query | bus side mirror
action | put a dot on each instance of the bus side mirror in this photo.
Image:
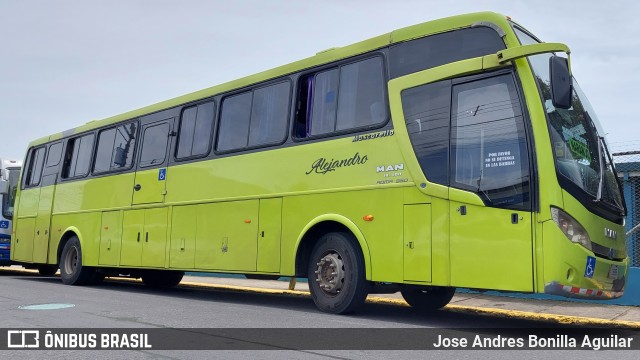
(561, 82)
(4, 187)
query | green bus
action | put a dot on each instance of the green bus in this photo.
(459, 152)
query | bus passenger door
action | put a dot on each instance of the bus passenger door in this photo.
(150, 185)
(490, 195)
(43, 223)
(27, 207)
(47, 195)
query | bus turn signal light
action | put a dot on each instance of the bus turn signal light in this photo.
(367, 218)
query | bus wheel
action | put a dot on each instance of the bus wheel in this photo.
(47, 270)
(336, 274)
(162, 278)
(427, 298)
(72, 272)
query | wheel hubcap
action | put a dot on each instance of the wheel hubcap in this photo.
(330, 273)
(71, 261)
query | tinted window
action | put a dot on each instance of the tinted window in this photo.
(78, 156)
(361, 95)
(351, 96)
(115, 148)
(234, 122)
(488, 143)
(426, 111)
(254, 118)
(196, 125)
(440, 49)
(55, 153)
(269, 114)
(325, 102)
(34, 171)
(154, 145)
(124, 146)
(104, 151)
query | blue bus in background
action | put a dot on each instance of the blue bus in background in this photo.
(9, 173)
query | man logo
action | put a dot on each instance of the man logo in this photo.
(612, 234)
(21, 339)
(396, 167)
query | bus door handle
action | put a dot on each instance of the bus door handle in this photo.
(138, 236)
(515, 217)
(137, 187)
(146, 237)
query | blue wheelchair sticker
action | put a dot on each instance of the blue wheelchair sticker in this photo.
(590, 268)
(162, 174)
(4, 224)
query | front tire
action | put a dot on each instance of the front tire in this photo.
(72, 272)
(336, 274)
(428, 298)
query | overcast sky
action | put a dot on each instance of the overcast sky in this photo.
(63, 63)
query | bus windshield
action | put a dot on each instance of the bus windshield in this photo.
(579, 148)
(8, 201)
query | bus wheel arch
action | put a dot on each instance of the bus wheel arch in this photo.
(320, 226)
(68, 234)
(72, 271)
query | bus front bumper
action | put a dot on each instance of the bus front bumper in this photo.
(555, 288)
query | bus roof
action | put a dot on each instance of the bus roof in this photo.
(322, 57)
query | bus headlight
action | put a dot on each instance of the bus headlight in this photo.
(571, 228)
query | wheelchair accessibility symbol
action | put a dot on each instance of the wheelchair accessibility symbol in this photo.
(590, 268)
(162, 174)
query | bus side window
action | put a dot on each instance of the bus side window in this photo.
(55, 152)
(34, 168)
(489, 153)
(194, 135)
(428, 52)
(154, 145)
(427, 111)
(254, 118)
(269, 114)
(115, 148)
(348, 97)
(77, 158)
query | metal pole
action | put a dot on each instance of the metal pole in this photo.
(634, 229)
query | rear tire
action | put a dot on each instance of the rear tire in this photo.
(162, 278)
(47, 270)
(336, 274)
(72, 272)
(428, 298)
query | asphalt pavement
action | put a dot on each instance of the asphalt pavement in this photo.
(552, 311)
